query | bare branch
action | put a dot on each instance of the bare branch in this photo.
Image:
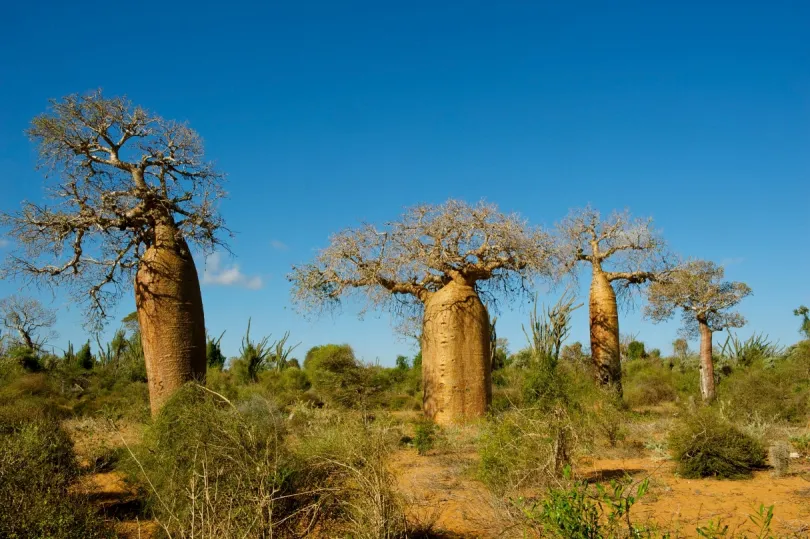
(698, 290)
(430, 246)
(118, 172)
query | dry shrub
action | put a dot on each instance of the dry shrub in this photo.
(211, 468)
(707, 445)
(524, 448)
(648, 382)
(37, 465)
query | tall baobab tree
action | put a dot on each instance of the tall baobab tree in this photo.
(437, 260)
(697, 288)
(623, 253)
(29, 319)
(130, 191)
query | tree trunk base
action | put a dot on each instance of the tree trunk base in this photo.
(456, 355)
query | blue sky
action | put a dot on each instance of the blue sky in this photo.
(324, 114)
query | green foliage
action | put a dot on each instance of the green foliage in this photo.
(635, 350)
(648, 382)
(580, 512)
(26, 357)
(84, 357)
(37, 465)
(706, 445)
(213, 352)
(804, 313)
(424, 436)
(254, 357)
(777, 392)
(756, 349)
(715, 529)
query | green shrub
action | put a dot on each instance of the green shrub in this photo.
(647, 383)
(779, 393)
(580, 512)
(37, 465)
(424, 437)
(84, 357)
(635, 350)
(706, 445)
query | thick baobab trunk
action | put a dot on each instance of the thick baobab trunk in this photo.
(456, 355)
(604, 318)
(170, 313)
(706, 363)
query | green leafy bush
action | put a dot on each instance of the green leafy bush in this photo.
(706, 445)
(424, 437)
(581, 512)
(635, 350)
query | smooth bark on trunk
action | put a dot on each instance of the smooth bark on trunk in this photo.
(604, 320)
(706, 363)
(456, 355)
(170, 313)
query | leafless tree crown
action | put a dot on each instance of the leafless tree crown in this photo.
(118, 172)
(626, 249)
(430, 246)
(29, 319)
(697, 288)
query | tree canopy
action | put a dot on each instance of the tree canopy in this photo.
(626, 249)
(429, 247)
(697, 288)
(118, 172)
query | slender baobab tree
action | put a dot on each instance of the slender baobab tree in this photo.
(130, 191)
(437, 260)
(29, 319)
(697, 288)
(623, 253)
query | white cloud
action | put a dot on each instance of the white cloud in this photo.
(217, 273)
(278, 245)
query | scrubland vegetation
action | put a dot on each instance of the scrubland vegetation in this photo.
(289, 448)
(282, 442)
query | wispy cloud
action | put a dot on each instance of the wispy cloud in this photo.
(218, 273)
(278, 245)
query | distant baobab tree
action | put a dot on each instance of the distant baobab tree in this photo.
(698, 290)
(623, 253)
(439, 261)
(29, 319)
(130, 192)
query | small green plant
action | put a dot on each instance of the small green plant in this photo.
(715, 529)
(706, 445)
(580, 512)
(801, 444)
(424, 437)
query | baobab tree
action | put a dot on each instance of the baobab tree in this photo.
(697, 288)
(438, 261)
(623, 254)
(29, 319)
(130, 191)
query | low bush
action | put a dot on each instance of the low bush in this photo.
(648, 382)
(580, 511)
(525, 448)
(247, 470)
(706, 445)
(37, 465)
